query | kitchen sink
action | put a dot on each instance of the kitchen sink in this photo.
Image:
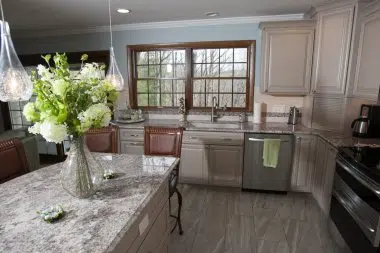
(215, 125)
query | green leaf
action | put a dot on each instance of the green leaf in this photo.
(46, 58)
(84, 57)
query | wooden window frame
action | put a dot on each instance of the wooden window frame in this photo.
(188, 47)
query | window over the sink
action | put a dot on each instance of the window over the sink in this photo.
(161, 74)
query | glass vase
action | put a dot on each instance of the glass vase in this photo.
(81, 174)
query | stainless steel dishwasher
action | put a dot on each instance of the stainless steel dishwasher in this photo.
(258, 177)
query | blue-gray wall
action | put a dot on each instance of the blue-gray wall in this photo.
(100, 41)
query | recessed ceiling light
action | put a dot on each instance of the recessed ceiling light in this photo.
(212, 14)
(124, 11)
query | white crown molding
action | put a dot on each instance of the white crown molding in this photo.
(31, 33)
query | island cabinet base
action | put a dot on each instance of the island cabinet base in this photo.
(149, 233)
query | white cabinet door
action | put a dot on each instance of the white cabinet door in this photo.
(331, 51)
(132, 148)
(328, 178)
(367, 78)
(319, 167)
(287, 52)
(194, 167)
(225, 165)
(303, 163)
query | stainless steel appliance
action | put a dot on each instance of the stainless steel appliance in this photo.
(258, 177)
(360, 127)
(293, 115)
(372, 113)
(355, 201)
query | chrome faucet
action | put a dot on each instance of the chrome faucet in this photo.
(214, 108)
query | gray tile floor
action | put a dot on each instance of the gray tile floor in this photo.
(217, 220)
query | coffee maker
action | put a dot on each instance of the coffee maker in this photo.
(368, 123)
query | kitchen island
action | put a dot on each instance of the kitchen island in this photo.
(128, 214)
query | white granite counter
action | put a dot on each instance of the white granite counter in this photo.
(90, 225)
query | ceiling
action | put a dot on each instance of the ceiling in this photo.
(63, 14)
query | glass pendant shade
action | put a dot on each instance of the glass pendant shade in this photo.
(15, 84)
(113, 74)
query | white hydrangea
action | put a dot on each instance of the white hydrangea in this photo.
(59, 87)
(90, 71)
(44, 73)
(53, 132)
(29, 111)
(35, 129)
(98, 115)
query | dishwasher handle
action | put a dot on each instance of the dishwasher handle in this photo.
(262, 140)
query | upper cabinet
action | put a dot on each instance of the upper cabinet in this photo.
(287, 52)
(367, 78)
(332, 49)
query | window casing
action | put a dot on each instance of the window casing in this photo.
(161, 74)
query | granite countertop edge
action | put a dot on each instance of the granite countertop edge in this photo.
(336, 139)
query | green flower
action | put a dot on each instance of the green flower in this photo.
(59, 87)
(30, 112)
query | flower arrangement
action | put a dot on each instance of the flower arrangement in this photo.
(67, 103)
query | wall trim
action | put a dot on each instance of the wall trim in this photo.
(155, 25)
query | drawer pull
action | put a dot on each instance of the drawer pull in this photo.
(134, 135)
(227, 139)
(133, 144)
(193, 138)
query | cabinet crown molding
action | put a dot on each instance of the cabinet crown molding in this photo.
(333, 5)
(288, 24)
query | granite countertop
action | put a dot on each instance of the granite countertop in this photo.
(90, 225)
(335, 139)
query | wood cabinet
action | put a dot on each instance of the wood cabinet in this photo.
(367, 78)
(286, 57)
(303, 163)
(225, 165)
(194, 166)
(332, 49)
(323, 175)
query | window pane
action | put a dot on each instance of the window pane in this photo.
(177, 97)
(142, 99)
(142, 58)
(239, 85)
(167, 71)
(166, 57)
(166, 86)
(166, 100)
(154, 99)
(226, 85)
(212, 85)
(142, 86)
(206, 55)
(226, 70)
(240, 55)
(240, 70)
(154, 57)
(226, 55)
(179, 86)
(154, 71)
(206, 70)
(180, 71)
(209, 99)
(154, 86)
(199, 100)
(239, 100)
(142, 71)
(179, 56)
(225, 100)
(199, 85)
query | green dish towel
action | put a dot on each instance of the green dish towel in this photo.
(271, 152)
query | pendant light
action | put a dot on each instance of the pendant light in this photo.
(113, 74)
(15, 84)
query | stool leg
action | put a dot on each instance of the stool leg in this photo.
(179, 211)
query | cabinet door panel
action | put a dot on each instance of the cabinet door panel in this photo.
(328, 177)
(193, 168)
(367, 79)
(288, 57)
(303, 163)
(225, 165)
(334, 28)
(319, 165)
(132, 148)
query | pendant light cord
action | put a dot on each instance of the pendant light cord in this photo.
(109, 15)
(2, 12)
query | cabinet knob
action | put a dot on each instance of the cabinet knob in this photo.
(314, 91)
